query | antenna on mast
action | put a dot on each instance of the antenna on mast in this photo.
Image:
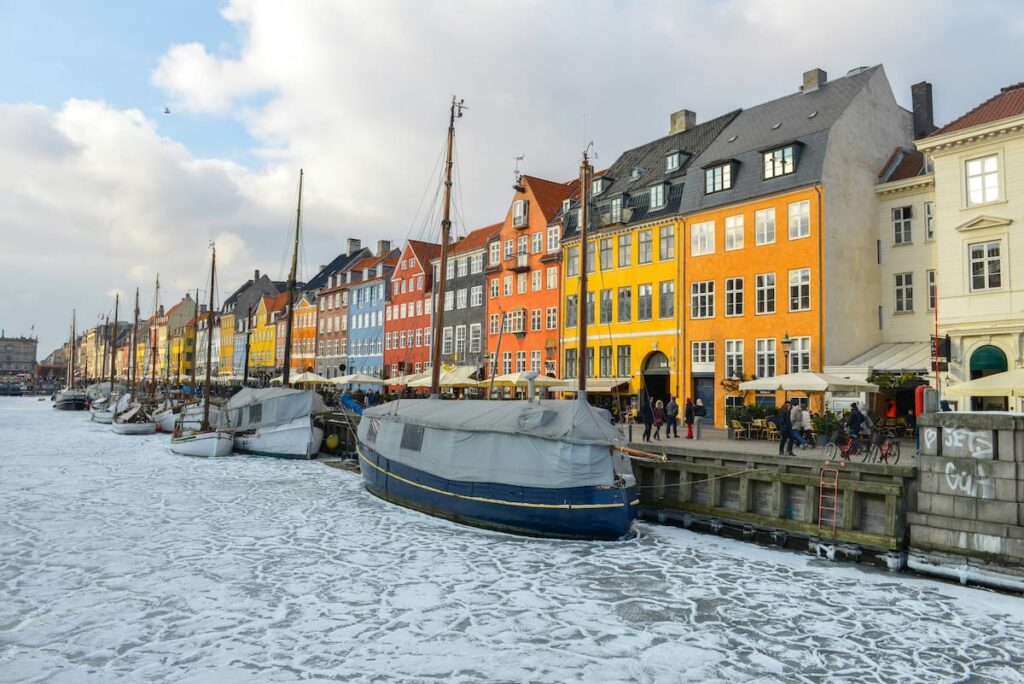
(518, 185)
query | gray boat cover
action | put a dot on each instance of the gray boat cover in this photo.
(253, 408)
(552, 444)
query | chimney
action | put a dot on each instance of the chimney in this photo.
(383, 247)
(680, 121)
(353, 246)
(921, 95)
(814, 79)
(256, 276)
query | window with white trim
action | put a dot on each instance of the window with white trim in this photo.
(519, 213)
(534, 320)
(734, 359)
(515, 321)
(536, 284)
(535, 360)
(625, 304)
(591, 256)
(616, 210)
(462, 267)
(474, 338)
(447, 335)
(536, 242)
(799, 219)
(982, 179)
(929, 221)
(552, 238)
(666, 299)
(460, 339)
(572, 261)
(764, 357)
(495, 288)
(523, 244)
(476, 265)
(672, 162)
(495, 324)
(551, 318)
(986, 266)
(666, 243)
(522, 284)
(449, 269)
(717, 178)
(520, 361)
(506, 362)
(734, 296)
(644, 302)
(800, 289)
(606, 306)
(657, 196)
(702, 238)
(779, 162)
(625, 250)
(476, 295)
(904, 292)
(449, 300)
(765, 293)
(702, 351)
(932, 290)
(733, 232)
(552, 276)
(507, 290)
(494, 250)
(461, 298)
(510, 248)
(606, 254)
(702, 299)
(901, 234)
(799, 354)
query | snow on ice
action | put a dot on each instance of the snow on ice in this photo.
(122, 561)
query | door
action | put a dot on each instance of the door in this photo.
(704, 389)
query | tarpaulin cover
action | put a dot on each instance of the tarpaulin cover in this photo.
(553, 444)
(253, 408)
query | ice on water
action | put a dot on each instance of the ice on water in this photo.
(121, 561)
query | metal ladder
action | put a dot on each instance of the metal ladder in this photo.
(828, 495)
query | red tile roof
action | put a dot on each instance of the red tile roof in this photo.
(1009, 102)
(549, 194)
(424, 251)
(902, 164)
(476, 239)
(276, 302)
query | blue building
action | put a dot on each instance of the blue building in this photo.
(366, 314)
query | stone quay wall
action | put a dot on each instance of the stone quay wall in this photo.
(968, 517)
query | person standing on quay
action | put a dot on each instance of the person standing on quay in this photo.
(698, 417)
(782, 421)
(647, 418)
(672, 413)
(659, 419)
(688, 415)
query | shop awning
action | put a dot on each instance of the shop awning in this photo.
(891, 357)
(596, 385)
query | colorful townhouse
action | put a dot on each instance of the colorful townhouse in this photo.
(204, 324)
(408, 312)
(632, 261)
(523, 280)
(332, 300)
(779, 269)
(236, 320)
(263, 336)
(304, 334)
(367, 299)
(465, 314)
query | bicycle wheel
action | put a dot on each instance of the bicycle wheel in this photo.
(872, 455)
(865, 453)
(830, 452)
(894, 453)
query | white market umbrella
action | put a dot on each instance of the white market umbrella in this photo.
(307, 377)
(807, 381)
(459, 376)
(1006, 384)
(356, 378)
(519, 380)
(402, 380)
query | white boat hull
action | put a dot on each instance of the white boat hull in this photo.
(297, 439)
(148, 428)
(105, 416)
(167, 419)
(206, 444)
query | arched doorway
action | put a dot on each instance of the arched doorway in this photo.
(988, 360)
(657, 378)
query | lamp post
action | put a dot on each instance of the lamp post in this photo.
(786, 344)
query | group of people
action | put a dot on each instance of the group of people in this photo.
(794, 424)
(655, 413)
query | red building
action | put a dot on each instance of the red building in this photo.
(524, 279)
(407, 314)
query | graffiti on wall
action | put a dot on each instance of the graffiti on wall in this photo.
(965, 443)
(976, 483)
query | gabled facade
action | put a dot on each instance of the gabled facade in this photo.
(466, 284)
(779, 265)
(408, 312)
(632, 260)
(367, 299)
(236, 321)
(523, 281)
(263, 336)
(304, 334)
(332, 310)
(978, 162)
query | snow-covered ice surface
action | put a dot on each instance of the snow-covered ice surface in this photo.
(121, 561)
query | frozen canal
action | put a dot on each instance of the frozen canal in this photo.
(121, 561)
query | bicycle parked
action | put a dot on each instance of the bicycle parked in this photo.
(843, 446)
(885, 451)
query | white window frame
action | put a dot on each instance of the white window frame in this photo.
(779, 162)
(733, 232)
(932, 284)
(733, 359)
(657, 196)
(903, 292)
(476, 295)
(929, 221)
(799, 354)
(702, 299)
(984, 185)
(552, 277)
(765, 357)
(718, 178)
(765, 294)
(702, 238)
(519, 214)
(734, 291)
(494, 252)
(475, 336)
(800, 279)
(902, 226)
(702, 351)
(799, 219)
(552, 238)
(986, 262)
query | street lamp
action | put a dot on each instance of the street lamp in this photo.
(786, 344)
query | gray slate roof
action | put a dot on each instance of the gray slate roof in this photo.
(339, 263)
(805, 117)
(649, 159)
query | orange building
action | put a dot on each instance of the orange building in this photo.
(523, 280)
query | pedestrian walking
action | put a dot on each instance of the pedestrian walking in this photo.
(699, 412)
(672, 416)
(647, 418)
(659, 419)
(782, 422)
(796, 423)
(688, 416)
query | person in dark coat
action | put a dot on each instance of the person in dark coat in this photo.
(854, 421)
(659, 418)
(783, 422)
(647, 418)
(672, 416)
(688, 414)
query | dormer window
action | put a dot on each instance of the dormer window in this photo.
(519, 213)
(717, 178)
(658, 196)
(636, 172)
(597, 186)
(672, 162)
(565, 206)
(779, 162)
(616, 211)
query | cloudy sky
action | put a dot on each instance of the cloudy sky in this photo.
(100, 189)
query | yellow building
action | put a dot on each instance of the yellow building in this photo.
(227, 343)
(263, 341)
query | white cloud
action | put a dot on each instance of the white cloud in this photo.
(357, 92)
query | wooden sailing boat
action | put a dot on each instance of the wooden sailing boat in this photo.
(131, 416)
(535, 468)
(71, 399)
(104, 413)
(277, 421)
(205, 441)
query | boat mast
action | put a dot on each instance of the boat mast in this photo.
(291, 291)
(113, 341)
(248, 332)
(72, 354)
(133, 372)
(101, 365)
(581, 354)
(195, 340)
(446, 229)
(152, 338)
(209, 340)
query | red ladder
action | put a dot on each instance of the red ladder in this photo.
(828, 496)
